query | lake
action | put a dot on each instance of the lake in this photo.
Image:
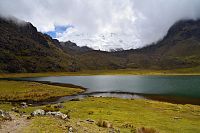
(185, 86)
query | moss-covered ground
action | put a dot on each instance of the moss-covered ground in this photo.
(22, 90)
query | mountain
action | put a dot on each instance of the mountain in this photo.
(180, 48)
(72, 48)
(105, 41)
(24, 49)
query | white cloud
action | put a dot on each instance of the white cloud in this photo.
(134, 23)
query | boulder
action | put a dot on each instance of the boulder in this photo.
(23, 105)
(38, 112)
(58, 114)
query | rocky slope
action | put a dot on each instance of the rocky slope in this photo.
(179, 48)
(24, 49)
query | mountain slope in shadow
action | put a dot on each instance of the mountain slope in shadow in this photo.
(24, 49)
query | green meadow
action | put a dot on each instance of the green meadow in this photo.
(23, 90)
(125, 115)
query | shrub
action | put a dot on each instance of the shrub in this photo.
(105, 124)
(50, 109)
(90, 112)
(146, 130)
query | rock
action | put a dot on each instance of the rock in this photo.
(38, 112)
(78, 123)
(28, 117)
(23, 105)
(177, 118)
(29, 104)
(107, 124)
(50, 113)
(103, 123)
(128, 125)
(70, 130)
(64, 117)
(59, 106)
(112, 130)
(90, 121)
(58, 114)
(15, 109)
(5, 115)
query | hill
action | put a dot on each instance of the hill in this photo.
(180, 48)
(24, 49)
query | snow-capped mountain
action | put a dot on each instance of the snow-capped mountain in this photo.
(104, 42)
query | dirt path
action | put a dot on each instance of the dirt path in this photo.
(14, 126)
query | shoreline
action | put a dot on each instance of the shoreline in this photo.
(145, 72)
(48, 100)
(85, 94)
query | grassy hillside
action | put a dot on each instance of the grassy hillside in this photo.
(180, 48)
(24, 49)
(125, 115)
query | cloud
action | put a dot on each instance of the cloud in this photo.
(103, 24)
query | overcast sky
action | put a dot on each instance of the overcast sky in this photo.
(103, 24)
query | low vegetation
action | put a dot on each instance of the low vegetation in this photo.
(124, 115)
(21, 90)
(183, 71)
(99, 114)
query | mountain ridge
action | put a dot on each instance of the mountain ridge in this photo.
(24, 49)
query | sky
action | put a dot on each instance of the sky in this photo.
(103, 24)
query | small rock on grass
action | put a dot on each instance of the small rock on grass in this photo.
(23, 105)
(90, 121)
(38, 112)
(70, 130)
(15, 109)
(59, 105)
(177, 118)
(5, 115)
